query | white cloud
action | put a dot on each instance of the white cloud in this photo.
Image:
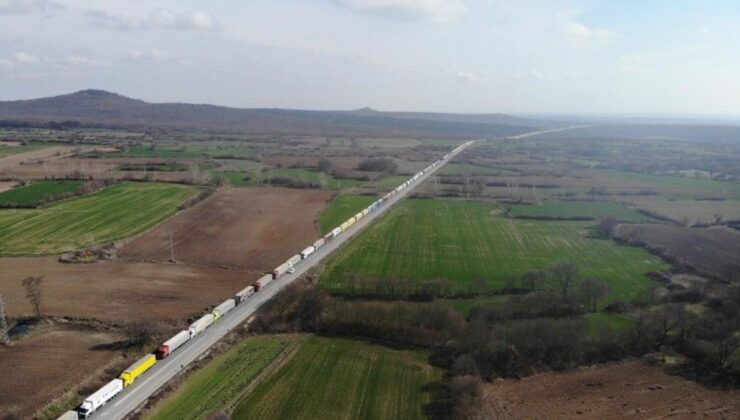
(76, 60)
(24, 58)
(20, 7)
(435, 10)
(161, 18)
(582, 35)
(467, 77)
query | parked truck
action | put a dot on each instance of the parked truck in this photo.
(319, 243)
(200, 325)
(280, 270)
(264, 280)
(223, 308)
(173, 344)
(243, 294)
(137, 369)
(295, 259)
(307, 251)
(100, 397)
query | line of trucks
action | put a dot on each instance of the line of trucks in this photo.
(137, 369)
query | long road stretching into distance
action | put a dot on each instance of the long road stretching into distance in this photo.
(139, 392)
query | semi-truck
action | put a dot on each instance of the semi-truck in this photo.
(173, 344)
(201, 324)
(100, 397)
(137, 369)
(223, 308)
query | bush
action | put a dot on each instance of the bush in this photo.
(378, 165)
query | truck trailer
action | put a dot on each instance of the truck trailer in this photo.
(319, 243)
(243, 294)
(280, 270)
(307, 251)
(173, 344)
(200, 325)
(100, 397)
(137, 369)
(264, 280)
(295, 259)
(223, 308)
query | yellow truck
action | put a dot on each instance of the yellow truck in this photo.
(137, 369)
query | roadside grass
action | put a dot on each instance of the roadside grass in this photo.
(592, 209)
(341, 208)
(37, 191)
(470, 169)
(333, 378)
(462, 241)
(110, 214)
(221, 381)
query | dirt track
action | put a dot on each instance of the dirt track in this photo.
(43, 366)
(621, 390)
(229, 230)
(118, 291)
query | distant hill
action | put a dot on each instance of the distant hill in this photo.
(99, 108)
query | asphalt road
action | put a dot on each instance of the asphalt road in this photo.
(164, 370)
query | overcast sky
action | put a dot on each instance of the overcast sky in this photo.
(515, 56)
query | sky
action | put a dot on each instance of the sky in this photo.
(472, 56)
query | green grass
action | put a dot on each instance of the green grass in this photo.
(187, 152)
(592, 209)
(616, 322)
(342, 208)
(331, 378)
(113, 213)
(388, 183)
(14, 150)
(222, 380)
(724, 187)
(37, 191)
(470, 169)
(463, 240)
(236, 178)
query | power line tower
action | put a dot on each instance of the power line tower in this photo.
(3, 324)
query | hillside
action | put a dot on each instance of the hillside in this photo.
(101, 108)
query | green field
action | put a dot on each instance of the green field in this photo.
(221, 382)
(186, 152)
(342, 208)
(110, 214)
(464, 240)
(14, 150)
(592, 209)
(725, 187)
(389, 182)
(470, 169)
(331, 378)
(37, 191)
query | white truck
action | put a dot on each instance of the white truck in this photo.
(200, 325)
(223, 308)
(173, 344)
(308, 251)
(100, 397)
(243, 294)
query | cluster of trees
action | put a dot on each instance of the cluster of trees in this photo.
(388, 166)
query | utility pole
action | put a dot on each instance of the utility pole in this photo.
(172, 248)
(3, 324)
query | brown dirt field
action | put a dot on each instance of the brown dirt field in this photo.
(228, 229)
(15, 160)
(118, 291)
(712, 251)
(5, 186)
(622, 390)
(46, 364)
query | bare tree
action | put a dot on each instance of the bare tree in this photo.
(533, 280)
(592, 291)
(607, 225)
(564, 274)
(33, 292)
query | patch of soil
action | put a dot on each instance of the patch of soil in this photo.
(118, 291)
(45, 364)
(5, 186)
(621, 390)
(246, 228)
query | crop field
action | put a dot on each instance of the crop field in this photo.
(388, 183)
(243, 179)
(470, 169)
(37, 191)
(730, 189)
(188, 152)
(342, 208)
(14, 150)
(224, 379)
(333, 378)
(590, 209)
(111, 214)
(461, 241)
(704, 211)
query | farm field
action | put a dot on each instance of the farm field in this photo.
(111, 214)
(43, 365)
(462, 241)
(341, 208)
(702, 211)
(620, 390)
(118, 291)
(581, 209)
(334, 378)
(723, 188)
(220, 383)
(470, 169)
(246, 228)
(14, 150)
(320, 179)
(388, 183)
(37, 191)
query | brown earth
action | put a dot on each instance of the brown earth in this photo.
(622, 390)
(118, 291)
(46, 364)
(5, 186)
(713, 252)
(16, 159)
(229, 230)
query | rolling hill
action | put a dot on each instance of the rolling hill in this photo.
(100, 108)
